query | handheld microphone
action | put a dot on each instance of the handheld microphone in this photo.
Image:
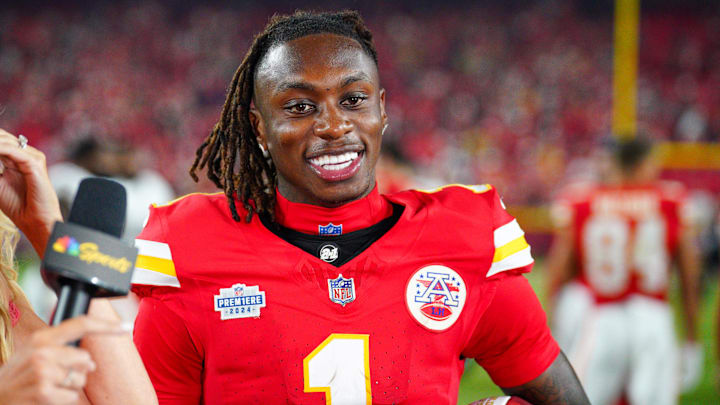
(85, 257)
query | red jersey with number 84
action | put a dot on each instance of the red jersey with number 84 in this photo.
(625, 236)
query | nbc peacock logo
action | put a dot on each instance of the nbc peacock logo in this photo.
(67, 244)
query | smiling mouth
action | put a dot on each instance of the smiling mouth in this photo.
(334, 162)
(336, 167)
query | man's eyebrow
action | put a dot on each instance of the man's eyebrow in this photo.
(295, 85)
(357, 77)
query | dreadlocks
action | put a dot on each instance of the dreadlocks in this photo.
(231, 152)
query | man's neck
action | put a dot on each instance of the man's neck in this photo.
(315, 219)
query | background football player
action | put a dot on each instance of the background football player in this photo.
(609, 273)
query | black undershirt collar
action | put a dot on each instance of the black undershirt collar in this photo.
(336, 250)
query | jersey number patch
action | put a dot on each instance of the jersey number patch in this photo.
(613, 249)
(340, 367)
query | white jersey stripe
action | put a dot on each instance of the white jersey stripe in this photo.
(153, 249)
(149, 277)
(154, 265)
(517, 260)
(507, 233)
(494, 401)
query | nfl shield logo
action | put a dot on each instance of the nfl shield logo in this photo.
(330, 229)
(342, 290)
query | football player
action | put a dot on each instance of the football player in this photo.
(300, 283)
(609, 273)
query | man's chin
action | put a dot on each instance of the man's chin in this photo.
(342, 194)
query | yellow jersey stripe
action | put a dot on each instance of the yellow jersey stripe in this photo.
(510, 249)
(478, 189)
(515, 261)
(156, 264)
(147, 277)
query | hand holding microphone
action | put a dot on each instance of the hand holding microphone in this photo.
(85, 256)
(44, 369)
(97, 219)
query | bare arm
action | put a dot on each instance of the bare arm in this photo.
(689, 270)
(120, 377)
(560, 265)
(558, 385)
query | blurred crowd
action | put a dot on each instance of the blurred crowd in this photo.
(517, 96)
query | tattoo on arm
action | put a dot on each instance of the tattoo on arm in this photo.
(558, 385)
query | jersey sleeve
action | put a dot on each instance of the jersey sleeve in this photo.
(173, 359)
(154, 266)
(512, 341)
(512, 251)
(171, 356)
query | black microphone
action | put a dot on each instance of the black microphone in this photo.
(85, 256)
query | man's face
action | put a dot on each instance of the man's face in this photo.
(320, 111)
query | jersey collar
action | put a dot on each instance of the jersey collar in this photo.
(316, 220)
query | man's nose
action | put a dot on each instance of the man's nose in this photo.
(332, 123)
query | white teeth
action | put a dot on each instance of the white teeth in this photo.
(334, 162)
(338, 166)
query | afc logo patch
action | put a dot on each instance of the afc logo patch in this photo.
(435, 296)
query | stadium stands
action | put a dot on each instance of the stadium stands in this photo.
(516, 96)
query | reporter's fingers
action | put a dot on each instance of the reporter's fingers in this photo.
(4, 133)
(53, 371)
(10, 140)
(75, 328)
(9, 143)
(27, 160)
(65, 357)
(66, 396)
(74, 380)
(7, 135)
(51, 394)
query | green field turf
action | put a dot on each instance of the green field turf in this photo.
(476, 384)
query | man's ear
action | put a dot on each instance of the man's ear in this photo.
(258, 125)
(383, 114)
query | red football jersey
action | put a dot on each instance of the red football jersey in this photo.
(232, 313)
(625, 236)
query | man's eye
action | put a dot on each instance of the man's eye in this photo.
(300, 108)
(353, 101)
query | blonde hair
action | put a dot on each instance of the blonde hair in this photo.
(9, 237)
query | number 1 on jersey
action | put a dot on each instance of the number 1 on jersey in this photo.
(340, 367)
